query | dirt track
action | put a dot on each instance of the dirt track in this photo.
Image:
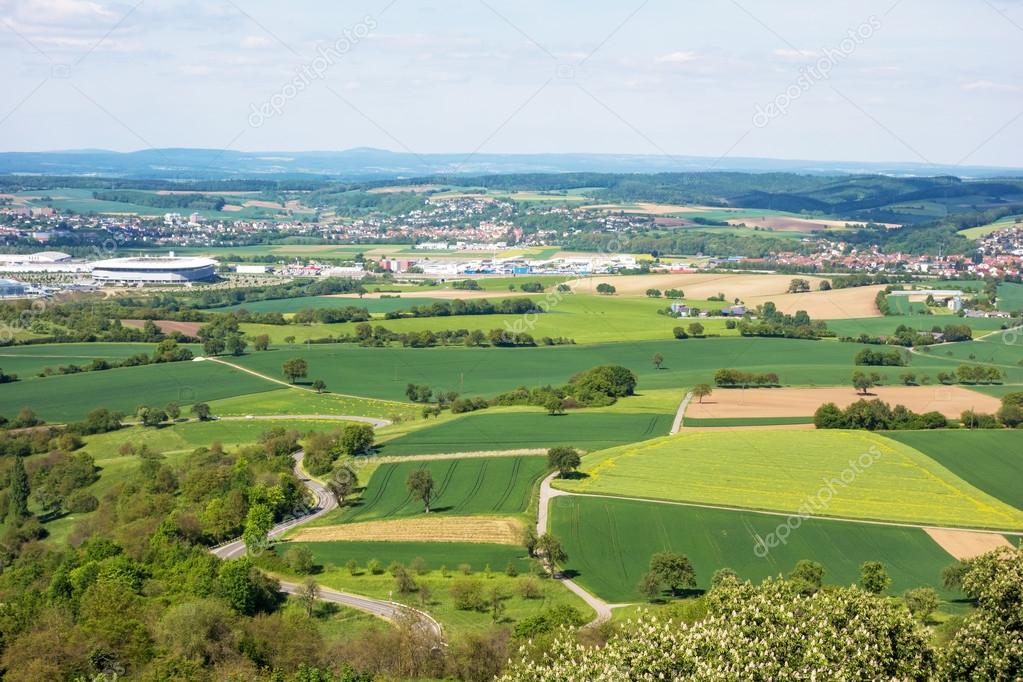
(803, 402)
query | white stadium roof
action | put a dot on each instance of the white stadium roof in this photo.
(157, 263)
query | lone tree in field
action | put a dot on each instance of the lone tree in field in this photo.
(658, 360)
(701, 391)
(554, 405)
(343, 483)
(564, 459)
(606, 289)
(319, 385)
(294, 369)
(674, 570)
(874, 578)
(863, 382)
(420, 484)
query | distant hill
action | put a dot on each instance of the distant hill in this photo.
(366, 163)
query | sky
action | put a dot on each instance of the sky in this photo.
(928, 81)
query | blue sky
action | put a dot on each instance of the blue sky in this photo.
(919, 80)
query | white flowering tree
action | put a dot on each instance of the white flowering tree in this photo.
(766, 632)
(989, 645)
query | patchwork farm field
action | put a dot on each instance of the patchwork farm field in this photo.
(992, 460)
(72, 396)
(849, 474)
(584, 429)
(609, 543)
(484, 485)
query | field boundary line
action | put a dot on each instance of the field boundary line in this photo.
(703, 505)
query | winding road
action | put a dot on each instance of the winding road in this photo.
(325, 503)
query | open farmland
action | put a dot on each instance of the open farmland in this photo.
(583, 318)
(374, 304)
(799, 402)
(27, 361)
(885, 326)
(72, 396)
(850, 474)
(702, 285)
(385, 372)
(584, 429)
(486, 485)
(609, 544)
(836, 304)
(1010, 296)
(992, 460)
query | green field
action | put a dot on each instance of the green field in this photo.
(279, 401)
(27, 361)
(990, 460)
(69, 397)
(901, 305)
(435, 554)
(291, 305)
(186, 436)
(384, 372)
(983, 230)
(334, 555)
(504, 430)
(884, 326)
(1002, 349)
(1010, 297)
(482, 485)
(82, 201)
(786, 470)
(609, 544)
(745, 421)
(582, 317)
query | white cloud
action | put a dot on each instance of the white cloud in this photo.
(256, 42)
(989, 86)
(787, 53)
(676, 57)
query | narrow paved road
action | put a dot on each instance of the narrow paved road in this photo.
(676, 426)
(603, 609)
(325, 502)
